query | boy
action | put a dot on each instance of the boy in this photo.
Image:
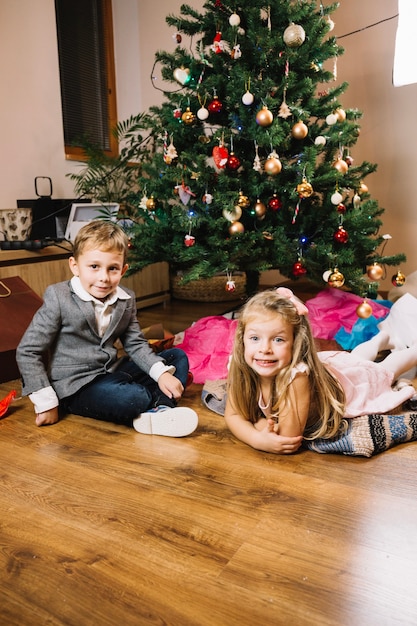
(77, 327)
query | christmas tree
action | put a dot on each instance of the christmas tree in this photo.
(247, 164)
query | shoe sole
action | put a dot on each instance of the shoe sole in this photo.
(176, 422)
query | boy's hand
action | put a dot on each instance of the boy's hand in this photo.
(170, 386)
(47, 417)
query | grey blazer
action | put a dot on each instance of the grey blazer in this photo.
(65, 330)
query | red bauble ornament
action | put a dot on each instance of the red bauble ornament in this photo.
(298, 269)
(215, 106)
(233, 162)
(341, 208)
(189, 241)
(341, 235)
(274, 203)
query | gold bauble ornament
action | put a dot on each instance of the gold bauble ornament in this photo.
(232, 215)
(236, 228)
(363, 188)
(273, 165)
(364, 310)
(188, 116)
(151, 204)
(264, 117)
(340, 114)
(299, 130)
(398, 279)
(336, 279)
(341, 166)
(260, 208)
(243, 201)
(375, 271)
(294, 35)
(304, 189)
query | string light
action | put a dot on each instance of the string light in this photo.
(359, 30)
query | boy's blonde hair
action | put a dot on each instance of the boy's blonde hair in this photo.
(327, 397)
(101, 235)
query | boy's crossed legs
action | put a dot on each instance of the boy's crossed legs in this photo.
(129, 396)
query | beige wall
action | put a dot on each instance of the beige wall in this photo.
(31, 129)
(388, 128)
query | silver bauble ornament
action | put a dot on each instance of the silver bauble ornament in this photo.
(294, 35)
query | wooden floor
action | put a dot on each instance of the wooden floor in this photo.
(100, 525)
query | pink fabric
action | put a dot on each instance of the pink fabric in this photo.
(208, 344)
(367, 385)
(331, 309)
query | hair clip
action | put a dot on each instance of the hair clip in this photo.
(300, 307)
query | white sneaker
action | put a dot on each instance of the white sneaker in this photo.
(170, 422)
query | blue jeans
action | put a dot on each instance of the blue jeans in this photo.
(122, 395)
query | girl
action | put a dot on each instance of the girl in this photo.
(280, 389)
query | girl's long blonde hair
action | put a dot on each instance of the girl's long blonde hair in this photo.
(327, 397)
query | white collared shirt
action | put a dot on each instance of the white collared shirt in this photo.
(103, 310)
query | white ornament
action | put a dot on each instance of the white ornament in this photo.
(320, 141)
(330, 22)
(182, 75)
(202, 113)
(356, 201)
(331, 119)
(237, 52)
(336, 198)
(257, 164)
(234, 19)
(143, 201)
(326, 275)
(248, 98)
